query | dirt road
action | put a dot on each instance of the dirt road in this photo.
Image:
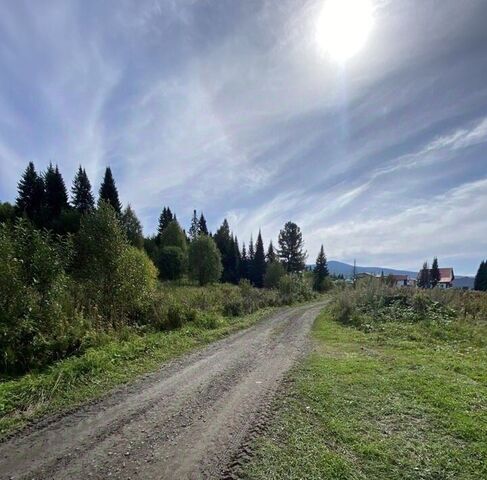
(190, 420)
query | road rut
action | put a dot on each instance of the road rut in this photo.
(189, 420)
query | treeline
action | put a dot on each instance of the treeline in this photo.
(72, 268)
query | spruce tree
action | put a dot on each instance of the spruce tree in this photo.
(271, 254)
(165, 218)
(424, 276)
(320, 272)
(224, 241)
(193, 229)
(30, 193)
(291, 248)
(480, 283)
(56, 195)
(202, 227)
(259, 264)
(109, 192)
(132, 227)
(81, 195)
(435, 273)
(250, 260)
(244, 264)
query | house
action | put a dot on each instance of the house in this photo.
(402, 281)
(446, 278)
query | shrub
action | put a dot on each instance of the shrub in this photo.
(294, 288)
(205, 265)
(171, 263)
(136, 281)
(274, 272)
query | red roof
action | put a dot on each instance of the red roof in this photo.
(400, 278)
(446, 275)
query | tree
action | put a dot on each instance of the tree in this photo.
(271, 254)
(193, 229)
(56, 195)
(291, 248)
(30, 193)
(229, 253)
(81, 195)
(205, 264)
(202, 227)
(109, 192)
(259, 264)
(7, 212)
(171, 263)
(320, 272)
(435, 273)
(274, 272)
(424, 276)
(165, 218)
(173, 236)
(132, 227)
(480, 283)
(244, 264)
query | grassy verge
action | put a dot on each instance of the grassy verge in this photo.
(75, 380)
(403, 402)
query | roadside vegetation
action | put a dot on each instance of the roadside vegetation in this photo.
(88, 302)
(396, 388)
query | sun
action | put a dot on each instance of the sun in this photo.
(343, 26)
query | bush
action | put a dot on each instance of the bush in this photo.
(136, 281)
(171, 263)
(294, 288)
(205, 265)
(273, 274)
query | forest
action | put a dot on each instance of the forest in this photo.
(75, 270)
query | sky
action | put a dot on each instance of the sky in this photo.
(232, 108)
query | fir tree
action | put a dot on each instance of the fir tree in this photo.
(424, 276)
(244, 263)
(82, 197)
(224, 241)
(291, 248)
(30, 193)
(56, 195)
(165, 218)
(132, 227)
(271, 254)
(320, 272)
(193, 229)
(480, 283)
(202, 227)
(259, 263)
(435, 273)
(109, 192)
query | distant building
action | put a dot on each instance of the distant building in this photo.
(402, 280)
(447, 276)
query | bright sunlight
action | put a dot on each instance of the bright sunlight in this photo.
(343, 26)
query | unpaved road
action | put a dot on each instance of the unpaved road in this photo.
(190, 420)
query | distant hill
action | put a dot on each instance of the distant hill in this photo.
(345, 269)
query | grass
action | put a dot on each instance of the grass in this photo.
(75, 380)
(407, 401)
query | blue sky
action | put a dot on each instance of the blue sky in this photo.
(230, 107)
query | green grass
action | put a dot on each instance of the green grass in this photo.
(406, 402)
(75, 380)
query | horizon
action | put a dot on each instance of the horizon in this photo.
(233, 109)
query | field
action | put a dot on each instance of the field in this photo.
(396, 395)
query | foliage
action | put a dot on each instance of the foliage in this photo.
(202, 227)
(259, 263)
(271, 254)
(230, 255)
(132, 227)
(173, 236)
(480, 283)
(293, 287)
(172, 263)
(274, 272)
(291, 250)
(424, 280)
(165, 219)
(321, 282)
(109, 193)
(7, 212)
(30, 194)
(55, 193)
(82, 197)
(204, 260)
(435, 273)
(194, 228)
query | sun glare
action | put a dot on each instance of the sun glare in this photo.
(343, 26)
